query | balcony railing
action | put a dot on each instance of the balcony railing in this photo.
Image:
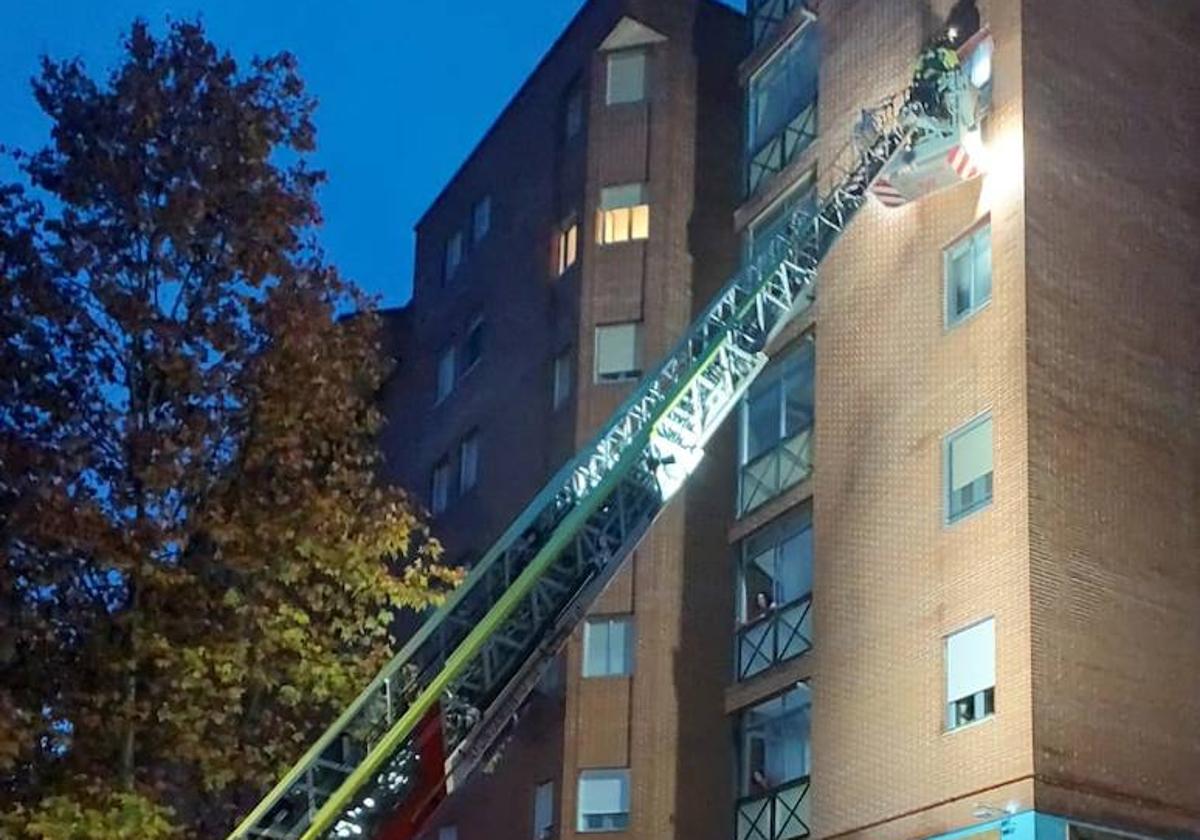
(782, 149)
(783, 633)
(778, 814)
(765, 15)
(771, 473)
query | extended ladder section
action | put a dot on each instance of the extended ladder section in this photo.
(437, 709)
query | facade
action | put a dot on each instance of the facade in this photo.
(941, 575)
(568, 253)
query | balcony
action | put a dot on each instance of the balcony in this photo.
(781, 813)
(766, 15)
(781, 149)
(781, 634)
(770, 474)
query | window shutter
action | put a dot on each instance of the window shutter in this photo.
(971, 455)
(626, 77)
(616, 349)
(605, 793)
(622, 195)
(971, 660)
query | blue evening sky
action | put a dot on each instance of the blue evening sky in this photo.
(406, 89)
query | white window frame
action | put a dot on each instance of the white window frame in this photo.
(610, 667)
(982, 697)
(634, 373)
(969, 243)
(617, 820)
(468, 462)
(624, 213)
(615, 59)
(447, 374)
(950, 515)
(561, 381)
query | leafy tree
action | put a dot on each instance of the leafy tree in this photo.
(198, 566)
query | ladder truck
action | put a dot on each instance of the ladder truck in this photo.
(439, 708)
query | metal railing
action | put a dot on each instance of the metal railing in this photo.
(781, 149)
(782, 634)
(781, 813)
(785, 465)
(765, 15)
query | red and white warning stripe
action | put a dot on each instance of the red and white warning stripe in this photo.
(960, 161)
(888, 195)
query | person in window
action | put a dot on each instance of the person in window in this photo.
(759, 783)
(963, 21)
(763, 604)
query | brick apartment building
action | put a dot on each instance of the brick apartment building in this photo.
(966, 602)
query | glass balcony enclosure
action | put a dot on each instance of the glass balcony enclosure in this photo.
(766, 15)
(772, 223)
(782, 107)
(775, 594)
(776, 429)
(774, 743)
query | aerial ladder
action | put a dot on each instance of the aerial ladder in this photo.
(439, 708)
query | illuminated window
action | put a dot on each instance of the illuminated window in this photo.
(603, 800)
(968, 458)
(468, 462)
(442, 486)
(626, 77)
(567, 250)
(617, 347)
(624, 214)
(971, 674)
(608, 646)
(968, 266)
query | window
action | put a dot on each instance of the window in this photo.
(481, 218)
(448, 832)
(603, 800)
(968, 457)
(573, 111)
(626, 77)
(968, 266)
(473, 346)
(567, 250)
(617, 351)
(543, 811)
(971, 674)
(775, 594)
(468, 462)
(454, 255)
(562, 378)
(776, 428)
(774, 223)
(774, 742)
(608, 646)
(783, 107)
(443, 480)
(446, 373)
(624, 214)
